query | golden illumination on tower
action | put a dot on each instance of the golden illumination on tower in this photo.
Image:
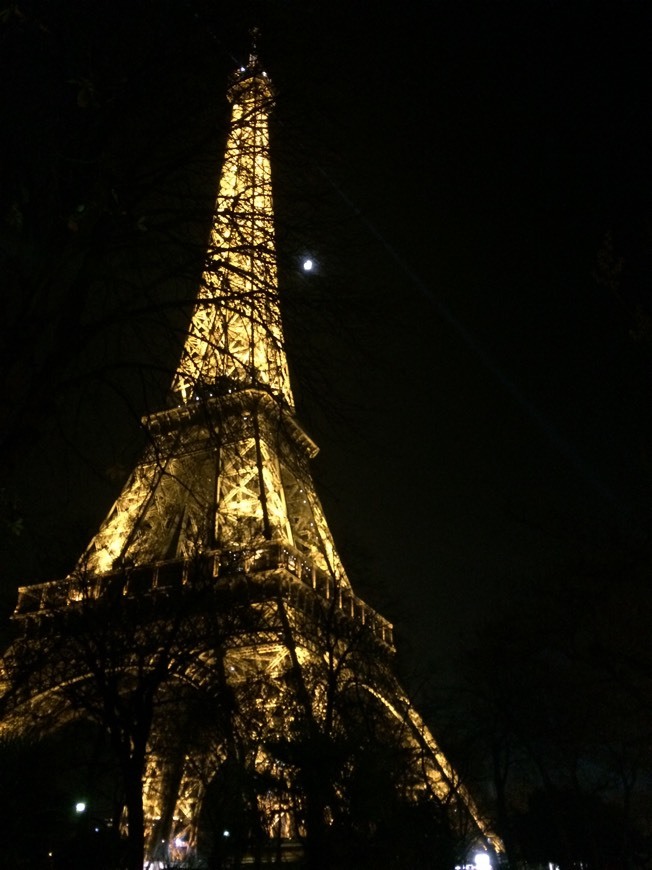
(236, 338)
(227, 468)
(222, 507)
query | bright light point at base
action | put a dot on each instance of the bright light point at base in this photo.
(307, 265)
(80, 807)
(226, 834)
(482, 861)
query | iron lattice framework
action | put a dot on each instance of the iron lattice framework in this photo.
(214, 583)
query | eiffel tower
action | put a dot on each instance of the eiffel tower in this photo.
(214, 582)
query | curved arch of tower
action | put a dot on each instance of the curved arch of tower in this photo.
(214, 583)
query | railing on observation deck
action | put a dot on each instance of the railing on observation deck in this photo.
(278, 568)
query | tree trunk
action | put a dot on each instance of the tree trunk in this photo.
(135, 818)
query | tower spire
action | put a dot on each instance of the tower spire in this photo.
(254, 33)
(235, 338)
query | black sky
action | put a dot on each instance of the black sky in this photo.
(500, 437)
(481, 400)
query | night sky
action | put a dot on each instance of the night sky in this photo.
(473, 351)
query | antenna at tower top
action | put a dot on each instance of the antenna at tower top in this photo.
(254, 33)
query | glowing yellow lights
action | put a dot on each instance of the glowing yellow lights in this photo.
(235, 333)
(110, 542)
